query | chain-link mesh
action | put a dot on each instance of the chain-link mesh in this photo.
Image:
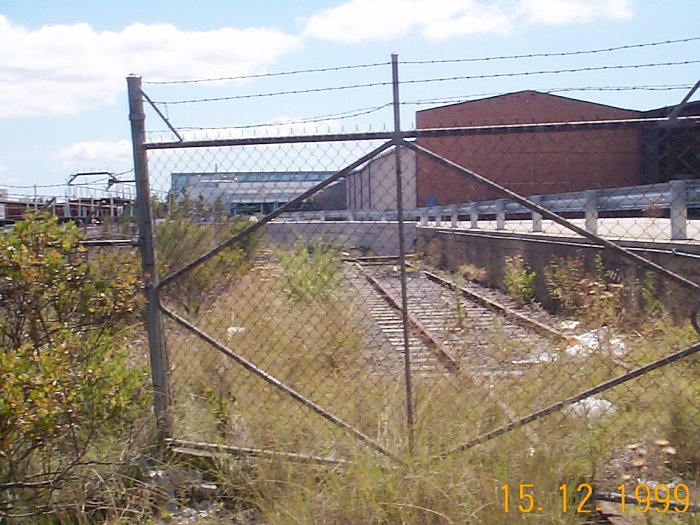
(544, 290)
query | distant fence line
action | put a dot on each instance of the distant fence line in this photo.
(677, 197)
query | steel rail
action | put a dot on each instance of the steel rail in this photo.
(443, 351)
(519, 318)
(457, 131)
(253, 452)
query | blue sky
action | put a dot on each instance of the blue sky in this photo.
(63, 64)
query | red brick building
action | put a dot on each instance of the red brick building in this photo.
(528, 163)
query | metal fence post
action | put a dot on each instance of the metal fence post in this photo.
(402, 249)
(154, 323)
(679, 210)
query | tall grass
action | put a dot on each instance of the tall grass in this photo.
(316, 340)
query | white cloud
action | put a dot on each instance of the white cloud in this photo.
(61, 69)
(366, 20)
(572, 11)
(94, 153)
(360, 20)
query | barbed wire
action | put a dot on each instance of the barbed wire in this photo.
(661, 87)
(310, 120)
(551, 55)
(344, 115)
(412, 62)
(267, 75)
(429, 80)
(552, 71)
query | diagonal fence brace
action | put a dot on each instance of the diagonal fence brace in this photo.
(602, 387)
(273, 215)
(279, 385)
(553, 216)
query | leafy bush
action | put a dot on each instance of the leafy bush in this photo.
(519, 280)
(310, 272)
(595, 298)
(63, 375)
(180, 241)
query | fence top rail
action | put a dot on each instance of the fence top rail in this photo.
(549, 127)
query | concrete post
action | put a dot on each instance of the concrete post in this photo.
(501, 214)
(536, 217)
(438, 217)
(424, 218)
(679, 210)
(454, 215)
(591, 210)
(473, 216)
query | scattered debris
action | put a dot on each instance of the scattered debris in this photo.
(591, 407)
(233, 330)
(569, 324)
(600, 339)
(543, 357)
(639, 462)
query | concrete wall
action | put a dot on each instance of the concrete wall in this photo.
(373, 187)
(452, 248)
(379, 237)
(529, 164)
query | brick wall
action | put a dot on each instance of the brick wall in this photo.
(537, 163)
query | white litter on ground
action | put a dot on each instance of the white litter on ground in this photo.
(569, 325)
(600, 339)
(233, 330)
(591, 408)
(543, 357)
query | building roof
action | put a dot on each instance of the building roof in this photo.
(691, 109)
(525, 93)
(520, 107)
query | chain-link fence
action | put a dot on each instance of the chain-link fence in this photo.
(522, 268)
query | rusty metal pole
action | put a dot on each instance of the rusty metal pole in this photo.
(402, 250)
(154, 323)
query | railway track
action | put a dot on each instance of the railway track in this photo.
(453, 327)
(466, 329)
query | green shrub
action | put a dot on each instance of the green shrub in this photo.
(63, 373)
(180, 241)
(310, 272)
(594, 298)
(518, 280)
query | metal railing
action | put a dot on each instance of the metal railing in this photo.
(676, 196)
